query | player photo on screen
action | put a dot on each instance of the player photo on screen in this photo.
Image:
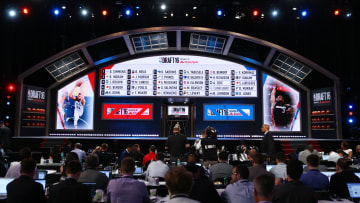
(281, 105)
(75, 104)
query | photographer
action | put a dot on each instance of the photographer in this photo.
(209, 147)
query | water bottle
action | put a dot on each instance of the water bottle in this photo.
(42, 161)
(225, 180)
(178, 162)
(62, 158)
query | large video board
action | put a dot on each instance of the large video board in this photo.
(178, 76)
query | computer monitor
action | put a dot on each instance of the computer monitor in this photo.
(91, 186)
(107, 173)
(354, 190)
(328, 173)
(3, 183)
(42, 182)
(325, 157)
(269, 167)
(138, 171)
(357, 174)
(42, 174)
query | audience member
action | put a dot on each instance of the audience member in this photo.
(345, 146)
(258, 167)
(251, 154)
(92, 175)
(299, 149)
(151, 156)
(356, 155)
(96, 150)
(310, 150)
(241, 153)
(127, 189)
(105, 157)
(335, 156)
(156, 168)
(2, 166)
(279, 170)
(67, 148)
(125, 153)
(70, 190)
(177, 144)
(221, 169)
(209, 147)
(203, 190)
(14, 170)
(294, 191)
(71, 156)
(81, 153)
(24, 188)
(193, 159)
(137, 155)
(343, 175)
(314, 178)
(263, 188)
(55, 154)
(179, 183)
(240, 190)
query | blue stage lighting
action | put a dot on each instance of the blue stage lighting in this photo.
(7, 117)
(219, 12)
(12, 13)
(128, 12)
(350, 121)
(274, 13)
(350, 106)
(84, 12)
(56, 11)
(304, 13)
(137, 7)
(8, 103)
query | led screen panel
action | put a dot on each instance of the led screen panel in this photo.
(229, 112)
(178, 110)
(281, 105)
(127, 111)
(75, 104)
(178, 76)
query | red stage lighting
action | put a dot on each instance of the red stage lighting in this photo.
(8, 97)
(25, 11)
(104, 12)
(11, 88)
(350, 113)
(337, 12)
(255, 13)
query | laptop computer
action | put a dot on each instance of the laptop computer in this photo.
(357, 174)
(325, 157)
(107, 173)
(91, 186)
(42, 182)
(328, 173)
(269, 167)
(138, 171)
(3, 183)
(354, 190)
(42, 174)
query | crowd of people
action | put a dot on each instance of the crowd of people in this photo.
(199, 173)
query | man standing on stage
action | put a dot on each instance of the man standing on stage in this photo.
(268, 144)
(79, 102)
(5, 135)
(282, 112)
(177, 144)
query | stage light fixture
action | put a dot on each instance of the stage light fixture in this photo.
(255, 12)
(11, 88)
(128, 12)
(63, 7)
(12, 13)
(348, 14)
(25, 11)
(56, 12)
(104, 12)
(275, 13)
(8, 103)
(350, 120)
(8, 97)
(7, 117)
(219, 12)
(351, 113)
(350, 106)
(294, 8)
(336, 12)
(163, 6)
(304, 13)
(194, 7)
(137, 7)
(84, 12)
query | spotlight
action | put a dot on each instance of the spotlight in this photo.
(350, 106)
(56, 12)
(336, 12)
(25, 11)
(137, 7)
(255, 13)
(294, 8)
(194, 7)
(104, 12)
(84, 12)
(11, 87)
(7, 117)
(63, 7)
(219, 12)
(163, 6)
(128, 12)
(274, 13)
(8, 97)
(351, 113)
(350, 121)
(348, 14)
(8, 103)
(304, 13)
(12, 13)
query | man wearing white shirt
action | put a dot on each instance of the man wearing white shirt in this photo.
(79, 152)
(14, 169)
(334, 156)
(156, 168)
(279, 170)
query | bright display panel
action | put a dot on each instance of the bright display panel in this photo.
(228, 112)
(127, 111)
(281, 105)
(178, 111)
(75, 104)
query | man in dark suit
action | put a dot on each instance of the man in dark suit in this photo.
(125, 153)
(268, 144)
(177, 144)
(70, 191)
(24, 188)
(5, 135)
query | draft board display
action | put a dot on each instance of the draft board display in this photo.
(228, 112)
(178, 76)
(281, 105)
(127, 112)
(178, 111)
(75, 104)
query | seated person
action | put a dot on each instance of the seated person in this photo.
(314, 178)
(71, 156)
(264, 188)
(14, 169)
(137, 155)
(310, 150)
(258, 167)
(343, 175)
(179, 183)
(81, 153)
(335, 156)
(222, 169)
(70, 190)
(92, 175)
(156, 168)
(240, 189)
(55, 154)
(345, 146)
(105, 157)
(279, 170)
(127, 189)
(151, 156)
(24, 188)
(293, 191)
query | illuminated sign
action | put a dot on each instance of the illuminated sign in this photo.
(322, 97)
(178, 110)
(229, 112)
(35, 95)
(127, 111)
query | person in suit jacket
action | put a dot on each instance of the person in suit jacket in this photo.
(70, 191)
(268, 144)
(24, 188)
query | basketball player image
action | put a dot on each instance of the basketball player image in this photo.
(282, 112)
(79, 100)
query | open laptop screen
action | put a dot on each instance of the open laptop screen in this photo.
(42, 174)
(328, 173)
(354, 190)
(91, 186)
(269, 167)
(107, 173)
(42, 182)
(138, 171)
(3, 183)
